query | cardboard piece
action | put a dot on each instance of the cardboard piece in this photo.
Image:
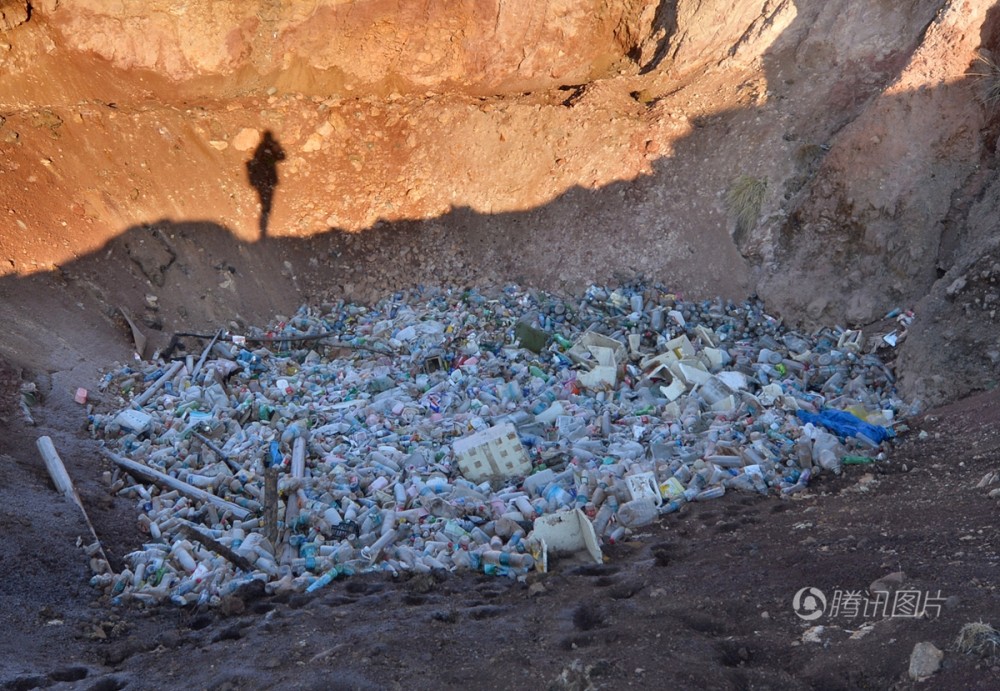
(531, 338)
(137, 336)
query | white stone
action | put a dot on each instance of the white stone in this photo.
(925, 660)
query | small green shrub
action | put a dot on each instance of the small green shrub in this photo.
(745, 199)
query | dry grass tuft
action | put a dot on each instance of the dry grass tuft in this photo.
(744, 200)
(988, 73)
(978, 638)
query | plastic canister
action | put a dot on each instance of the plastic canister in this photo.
(638, 512)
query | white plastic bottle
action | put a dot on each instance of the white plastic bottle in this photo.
(638, 512)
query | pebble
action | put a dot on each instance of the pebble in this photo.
(925, 660)
(887, 584)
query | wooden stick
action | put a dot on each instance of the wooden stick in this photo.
(60, 477)
(299, 457)
(148, 474)
(210, 542)
(204, 354)
(271, 503)
(154, 387)
(295, 496)
(236, 467)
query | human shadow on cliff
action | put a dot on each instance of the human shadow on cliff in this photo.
(262, 173)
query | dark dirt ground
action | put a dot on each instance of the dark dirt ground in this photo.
(703, 599)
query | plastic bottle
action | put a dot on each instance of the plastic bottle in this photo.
(603, 518)
(617, 535)
(557, 497)
(656, 319)
(828, 460)
(498, 558)
(710, 493)
(803, 452)
(638, 512)
(801, 484)
(826, 452)
(767, 356)
(384, 425)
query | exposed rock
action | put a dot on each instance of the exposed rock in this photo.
(151, 254)
(12, 13)
(313, 143)
(955, 287)
(925, 660)
(496, 46)
(246, 139)
(887, 584)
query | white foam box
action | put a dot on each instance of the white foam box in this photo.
(691, 371)
(644, 485)
(674, 391)
(494, 453)
(681, 347)
(566, 532)
(134, 420)
(581, 350)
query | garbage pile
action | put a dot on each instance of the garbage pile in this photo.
(461, 430)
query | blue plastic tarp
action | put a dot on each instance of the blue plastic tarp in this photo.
(845, 424)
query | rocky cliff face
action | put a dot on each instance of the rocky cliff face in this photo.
(380, 46)
(12, 13)
(554, 143)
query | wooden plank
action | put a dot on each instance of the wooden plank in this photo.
(204, 355)
(211, 543)
(148, 474)
(155, 386)
(63, 482)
